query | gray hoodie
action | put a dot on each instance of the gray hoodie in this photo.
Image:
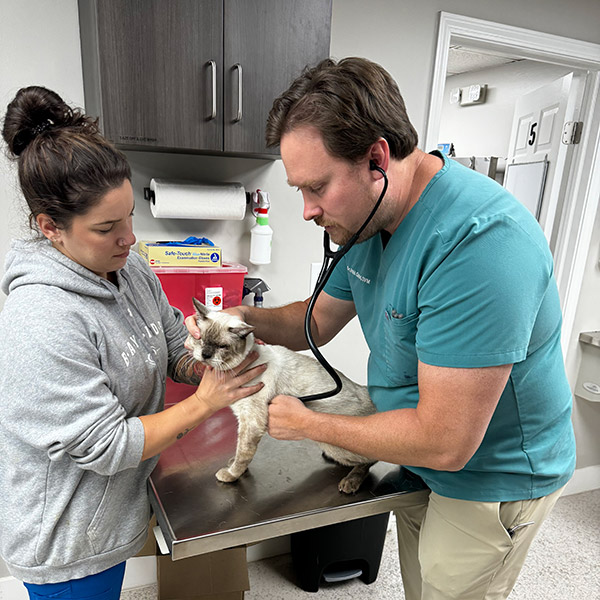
(80, 360)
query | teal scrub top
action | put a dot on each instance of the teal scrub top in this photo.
(466, 281)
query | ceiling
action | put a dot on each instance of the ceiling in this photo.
(464, 60)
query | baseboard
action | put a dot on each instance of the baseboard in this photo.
(268, 548)
(583, 480)
(140, 571)
(12, 589)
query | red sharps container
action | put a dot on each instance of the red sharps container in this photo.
(216, 287)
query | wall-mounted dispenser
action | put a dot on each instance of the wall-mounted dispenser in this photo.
(588, 378)
(261, 234)
(256, 286)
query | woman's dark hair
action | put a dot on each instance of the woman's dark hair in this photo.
(352, 103)
(65, 164)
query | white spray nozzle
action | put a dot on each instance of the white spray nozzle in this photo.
(260, 199)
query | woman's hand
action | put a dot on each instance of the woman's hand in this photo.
(219, 389)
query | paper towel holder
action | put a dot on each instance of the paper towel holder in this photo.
(151, 196)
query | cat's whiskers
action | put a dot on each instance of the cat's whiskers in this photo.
(220, 365)
(189, 360)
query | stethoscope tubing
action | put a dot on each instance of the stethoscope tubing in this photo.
(330, 260)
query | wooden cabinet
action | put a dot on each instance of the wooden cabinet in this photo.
(195, 75)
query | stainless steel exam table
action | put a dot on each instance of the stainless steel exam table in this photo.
(289, 487)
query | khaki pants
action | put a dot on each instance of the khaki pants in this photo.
(457, 549)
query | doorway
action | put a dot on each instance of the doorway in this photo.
(582, 187)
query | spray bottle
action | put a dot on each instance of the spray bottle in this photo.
(256, 286)
(261, 234)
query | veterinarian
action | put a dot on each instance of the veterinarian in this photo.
(87, 339)
(453, 285)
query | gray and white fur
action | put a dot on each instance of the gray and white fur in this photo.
(224, 343)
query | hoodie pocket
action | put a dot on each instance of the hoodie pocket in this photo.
(401, 360)
(98, 524)
(120, 517)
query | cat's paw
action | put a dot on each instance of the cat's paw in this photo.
(349, 485)
(354, 479)
(225, 475)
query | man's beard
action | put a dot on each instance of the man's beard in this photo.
(340, 235)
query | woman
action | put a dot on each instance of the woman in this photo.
(87, 339)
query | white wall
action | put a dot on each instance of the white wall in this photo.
(586, 415)
(484, 129)
(39, 44)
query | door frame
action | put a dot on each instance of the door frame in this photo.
(583, 186)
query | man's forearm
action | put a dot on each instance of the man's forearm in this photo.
(378, 436)
(283, 325)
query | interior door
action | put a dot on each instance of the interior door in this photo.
(267, 44)
(536, 135)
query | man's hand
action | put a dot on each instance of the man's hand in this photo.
(288, 418)
(192, 327)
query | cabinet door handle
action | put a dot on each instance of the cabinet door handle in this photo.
(238, 68)
(213, 72)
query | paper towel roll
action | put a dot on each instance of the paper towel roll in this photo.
(191, 200)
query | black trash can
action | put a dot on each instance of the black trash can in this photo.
(339, 552)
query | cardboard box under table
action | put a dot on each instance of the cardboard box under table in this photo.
(215, 576)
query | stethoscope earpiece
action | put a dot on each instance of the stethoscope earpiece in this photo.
(375, 167)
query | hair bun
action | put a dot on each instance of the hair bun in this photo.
(33, 111)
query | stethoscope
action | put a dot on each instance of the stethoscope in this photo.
(330, 260)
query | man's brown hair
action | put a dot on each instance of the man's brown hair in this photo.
(352, 103)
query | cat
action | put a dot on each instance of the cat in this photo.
(224, 343)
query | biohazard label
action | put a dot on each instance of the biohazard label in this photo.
(213, 298)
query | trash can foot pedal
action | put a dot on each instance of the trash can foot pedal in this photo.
(336, 576)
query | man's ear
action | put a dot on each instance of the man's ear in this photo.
(379, 155)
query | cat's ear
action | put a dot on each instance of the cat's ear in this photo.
(242, 330)
(201, 310)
